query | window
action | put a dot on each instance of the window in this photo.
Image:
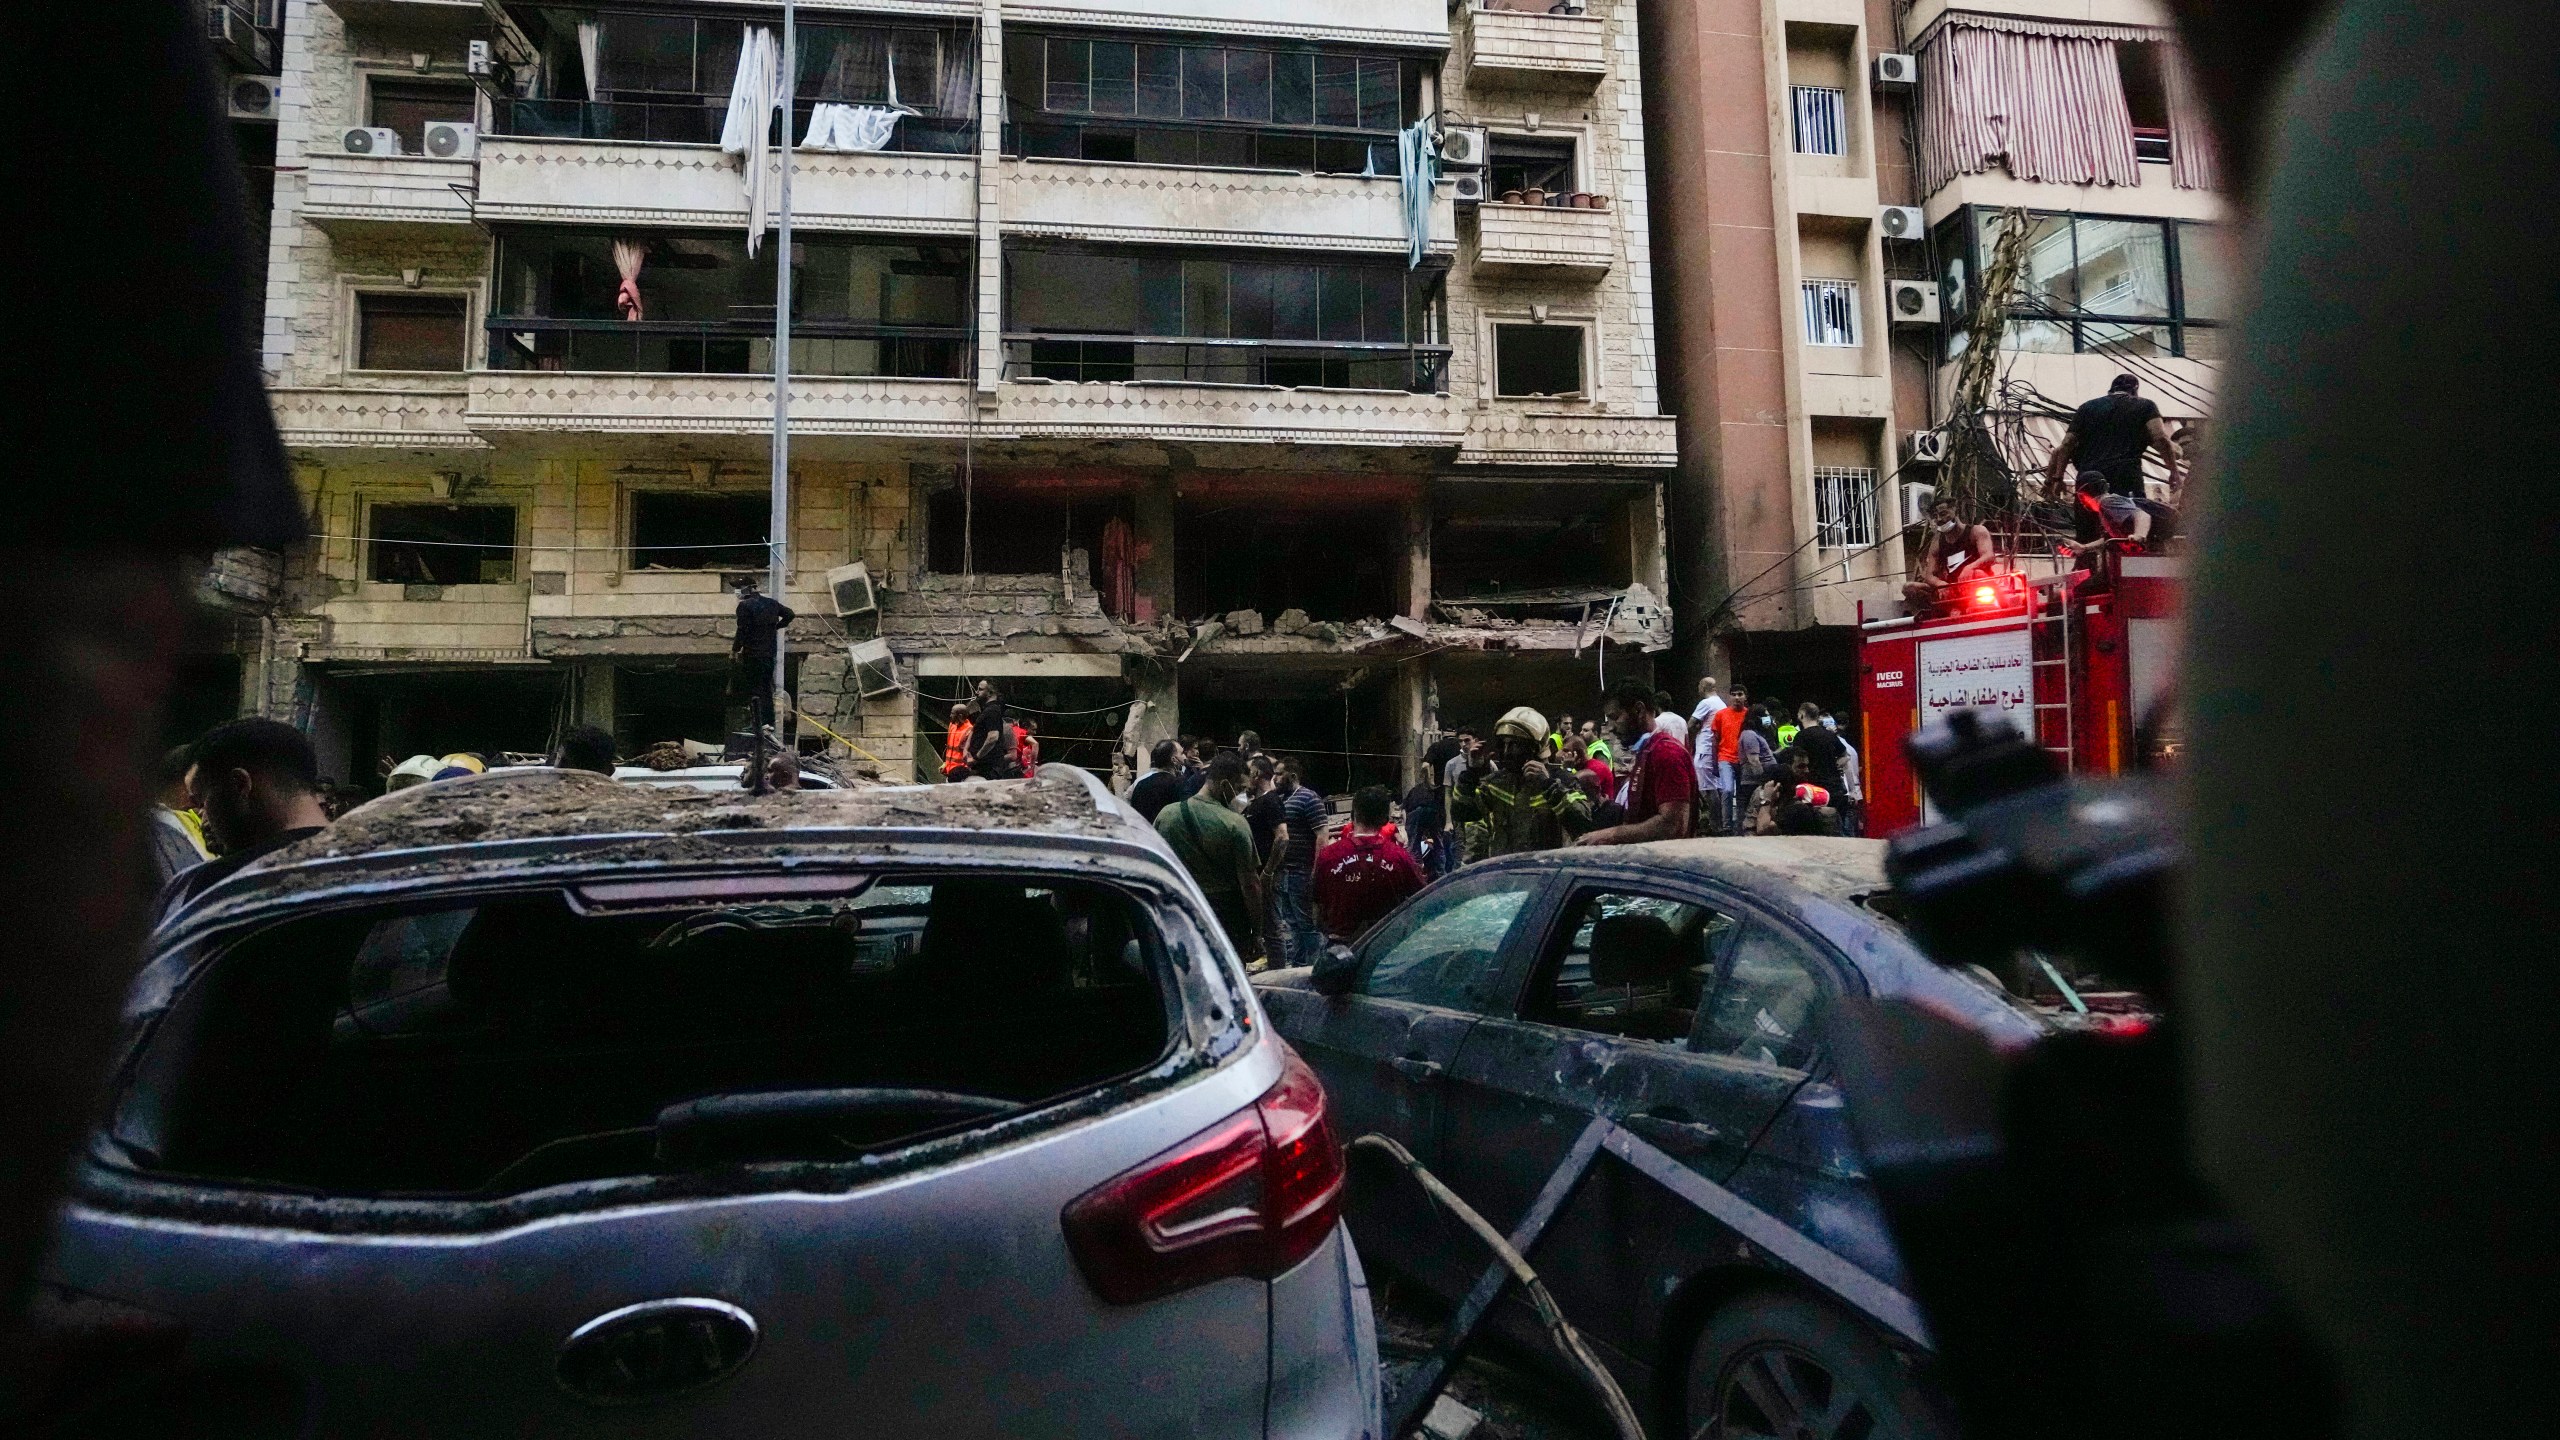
(1348, 325)
(1822, 120)
(620, 75)
(1448, 953)
(443, 544)
(1844, 506)
(1520, 164)
(407, 106)
(2105, 284)
(2146, 99)
(1831, 312)
(1079, 98)
(1766, 1006)
(1632, 965)
(410, 332)
(481, 1051)
(1537, 361)
(690, 530)
(858, 307)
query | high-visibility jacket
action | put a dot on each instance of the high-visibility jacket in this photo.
(955, 749)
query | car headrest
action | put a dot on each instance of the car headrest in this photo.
(1638, 950)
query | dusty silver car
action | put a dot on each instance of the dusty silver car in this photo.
(538, 1104)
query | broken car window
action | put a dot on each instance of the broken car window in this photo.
(490, 1049)
(1764, 1010)
(1448, 954)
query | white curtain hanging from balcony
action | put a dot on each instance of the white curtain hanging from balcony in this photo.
(748, 130)
(591, 56)
(849, 127)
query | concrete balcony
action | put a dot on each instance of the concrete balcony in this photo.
(610, 182)
(1509, 45)
(544, 401)
(347, 417)
(352, 196)
(1573, 437)
(1545, 239)
(1155, 204)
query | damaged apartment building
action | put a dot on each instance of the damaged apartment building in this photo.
(1123, 363)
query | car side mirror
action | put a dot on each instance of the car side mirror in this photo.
(1335, 971)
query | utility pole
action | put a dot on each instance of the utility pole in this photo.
(778, 523)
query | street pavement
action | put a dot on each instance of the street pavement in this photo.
(1516, 1401)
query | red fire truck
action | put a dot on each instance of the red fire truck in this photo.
(2077, 660)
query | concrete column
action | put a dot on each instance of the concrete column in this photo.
(1413, 717)
(1155, 505)
(596, 694)
(1417, 557)
(990, 309)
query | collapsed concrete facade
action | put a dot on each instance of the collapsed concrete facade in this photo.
(1119, 379)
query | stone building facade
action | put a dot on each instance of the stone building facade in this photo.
(1116, 366)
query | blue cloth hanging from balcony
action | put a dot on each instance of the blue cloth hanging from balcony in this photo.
(1418, 166)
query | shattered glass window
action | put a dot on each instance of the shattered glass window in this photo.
(1449, 954)
(1634, 965)
(1765, 1008)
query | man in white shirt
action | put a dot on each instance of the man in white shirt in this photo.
(1702, 754)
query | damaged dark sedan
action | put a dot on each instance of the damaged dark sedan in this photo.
(1725, 1257)
(536, 1104)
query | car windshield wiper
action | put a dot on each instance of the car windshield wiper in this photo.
(789, 1124)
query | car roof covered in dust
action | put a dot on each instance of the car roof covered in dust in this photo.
(1830, 867)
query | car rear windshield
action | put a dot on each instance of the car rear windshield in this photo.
(487, 1049)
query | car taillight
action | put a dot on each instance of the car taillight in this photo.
(1250, 1196)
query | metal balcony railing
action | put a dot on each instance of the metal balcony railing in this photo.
(1340, 365)
(683, 118)
(733, 347)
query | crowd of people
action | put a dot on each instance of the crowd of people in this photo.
(1287, 877)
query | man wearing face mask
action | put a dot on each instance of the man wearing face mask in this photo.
(1508, 800)
(1953, 551)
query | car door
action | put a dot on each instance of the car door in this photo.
(1631, 971)
(1428, 973)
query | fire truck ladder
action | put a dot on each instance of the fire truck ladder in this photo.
(2049, 633)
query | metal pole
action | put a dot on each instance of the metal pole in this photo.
(778, 524)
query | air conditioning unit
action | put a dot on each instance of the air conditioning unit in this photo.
(478, 61)
(369, 140)
(1915, 503)
(1463, 148)
(1467, 188)
(851, 585)
(1913, 302)
(1902, 222)
(255, 97)
(451, 140)
(235, 32)
(875, 669)
(1896, 71)
(1928, 447)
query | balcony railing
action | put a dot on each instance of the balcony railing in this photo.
(1310, 150)
(734, 347)
(1338, 365)
(681, 118)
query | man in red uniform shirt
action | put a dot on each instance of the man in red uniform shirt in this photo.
(1659, 791)
(1363, 874)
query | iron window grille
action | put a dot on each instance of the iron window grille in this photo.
(1844, 506)
(1822, 119)
(1831, 312)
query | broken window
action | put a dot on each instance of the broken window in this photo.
(1349, 325)
(408, 105)
(1510, 539)
(1447, 951)
(443, 544)
(692, 530)
(1018, 531)
(1537, 360)
(1273, 107)
(1631, 965)
(1239, 553)
(1768, 1006)
(1518, 164)
(475, 1051)
(411, 332)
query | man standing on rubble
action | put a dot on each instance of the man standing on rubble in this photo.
(751, 648)
(1509, 800)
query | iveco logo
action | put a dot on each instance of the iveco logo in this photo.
(1888, 679)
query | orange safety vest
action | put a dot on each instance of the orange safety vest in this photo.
(955, 749)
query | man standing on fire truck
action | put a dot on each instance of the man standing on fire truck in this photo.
(1951, 553)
